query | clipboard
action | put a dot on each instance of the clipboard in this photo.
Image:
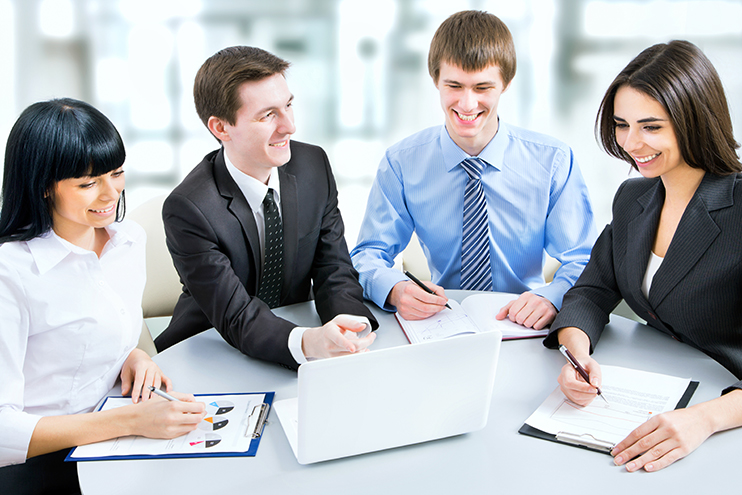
(587, 441)
(234, 419)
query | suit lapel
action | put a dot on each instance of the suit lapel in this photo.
(289, 213)
(641, 233)
(238, 206)
(694, 235)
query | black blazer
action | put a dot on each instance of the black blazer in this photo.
(213, 239)
(695, 296)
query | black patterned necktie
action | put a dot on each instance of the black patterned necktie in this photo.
(476, 271)
(270, 283)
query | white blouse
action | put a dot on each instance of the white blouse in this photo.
(68, 322)
(652, 267)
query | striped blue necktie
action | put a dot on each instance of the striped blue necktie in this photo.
(476, 272)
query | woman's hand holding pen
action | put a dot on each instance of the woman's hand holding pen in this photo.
(160, 418)
(573, 386)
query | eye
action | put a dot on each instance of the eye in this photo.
(484, 88)
(652, 128)
(620, 125)
(117, 173)
(86, 185)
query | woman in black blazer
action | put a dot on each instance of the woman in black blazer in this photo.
(672, 250)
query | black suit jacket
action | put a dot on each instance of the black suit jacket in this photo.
(213, 239)
(695, 296)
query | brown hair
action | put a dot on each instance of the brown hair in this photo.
(217, 84)
(473, 40)
(681, 79)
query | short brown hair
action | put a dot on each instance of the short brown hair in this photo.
(681, 79)
(217, 84)
(473, 40)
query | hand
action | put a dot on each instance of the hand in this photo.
(413, 303)
(663, 440)
(160, 418)
(337, 337)
(572, 384)
(140, 372)
(529, 310)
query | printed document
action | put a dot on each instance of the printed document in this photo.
(633, 397)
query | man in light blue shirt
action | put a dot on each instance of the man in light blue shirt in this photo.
(536, 199)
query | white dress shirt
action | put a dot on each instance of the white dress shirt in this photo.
(69, 321)
(254, 192)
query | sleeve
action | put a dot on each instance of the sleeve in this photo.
(245, 322)
(386, 230)
(594, 296)
(16, 426)
(570, 227)
(334, 280)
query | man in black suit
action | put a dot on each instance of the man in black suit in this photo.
(256, 224)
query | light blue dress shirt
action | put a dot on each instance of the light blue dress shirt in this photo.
(537, 202)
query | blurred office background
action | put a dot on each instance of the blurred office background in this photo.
(358, 72)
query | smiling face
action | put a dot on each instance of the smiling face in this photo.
(644, 131)
(81, 205)
(259, 138)
(469, 100)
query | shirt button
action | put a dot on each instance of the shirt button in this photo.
(101, 283)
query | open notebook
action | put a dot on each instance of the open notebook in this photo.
(391, 397)
(475, 314)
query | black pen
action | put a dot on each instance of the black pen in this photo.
(583, 373)
(421, 285)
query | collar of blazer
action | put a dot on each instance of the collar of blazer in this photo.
(693, 237)
(239, 207)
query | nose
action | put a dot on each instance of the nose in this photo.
(468, 101)
(286, 122)
(108, 189)
(629, 140)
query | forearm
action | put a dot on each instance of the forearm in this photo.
(723, 413)
(575, 340)
(54, 433)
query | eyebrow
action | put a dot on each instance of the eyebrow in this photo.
(266, 109)
(483, 83)
(641, 121)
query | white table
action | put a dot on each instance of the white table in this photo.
(496, 459)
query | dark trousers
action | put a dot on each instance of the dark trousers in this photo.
(42, 474)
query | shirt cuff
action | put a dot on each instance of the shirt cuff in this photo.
(15, 436)
(383, 285)
(295, 344)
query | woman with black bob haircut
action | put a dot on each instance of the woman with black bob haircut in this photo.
(672, 249)
(71, 281)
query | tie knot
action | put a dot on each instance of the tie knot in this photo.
(473, 167)
(268, 200)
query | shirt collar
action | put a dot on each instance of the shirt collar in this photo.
(492, 154)
(48, 250)
(254, 190)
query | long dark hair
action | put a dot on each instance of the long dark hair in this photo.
(53, 141)
(681, 79)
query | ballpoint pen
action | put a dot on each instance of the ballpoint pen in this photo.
(162, 394)
(421, 285)
(583, 373)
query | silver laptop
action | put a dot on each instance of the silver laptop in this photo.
(410, 394)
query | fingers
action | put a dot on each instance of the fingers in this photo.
(662, 440)
(575, 388)
(413, 303)
(529, 310)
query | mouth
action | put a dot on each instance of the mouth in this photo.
(646, 159)
(105, 210)
(467, 118)
(282, 144)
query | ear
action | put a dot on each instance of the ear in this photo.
(508, 86)
(218, 128)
